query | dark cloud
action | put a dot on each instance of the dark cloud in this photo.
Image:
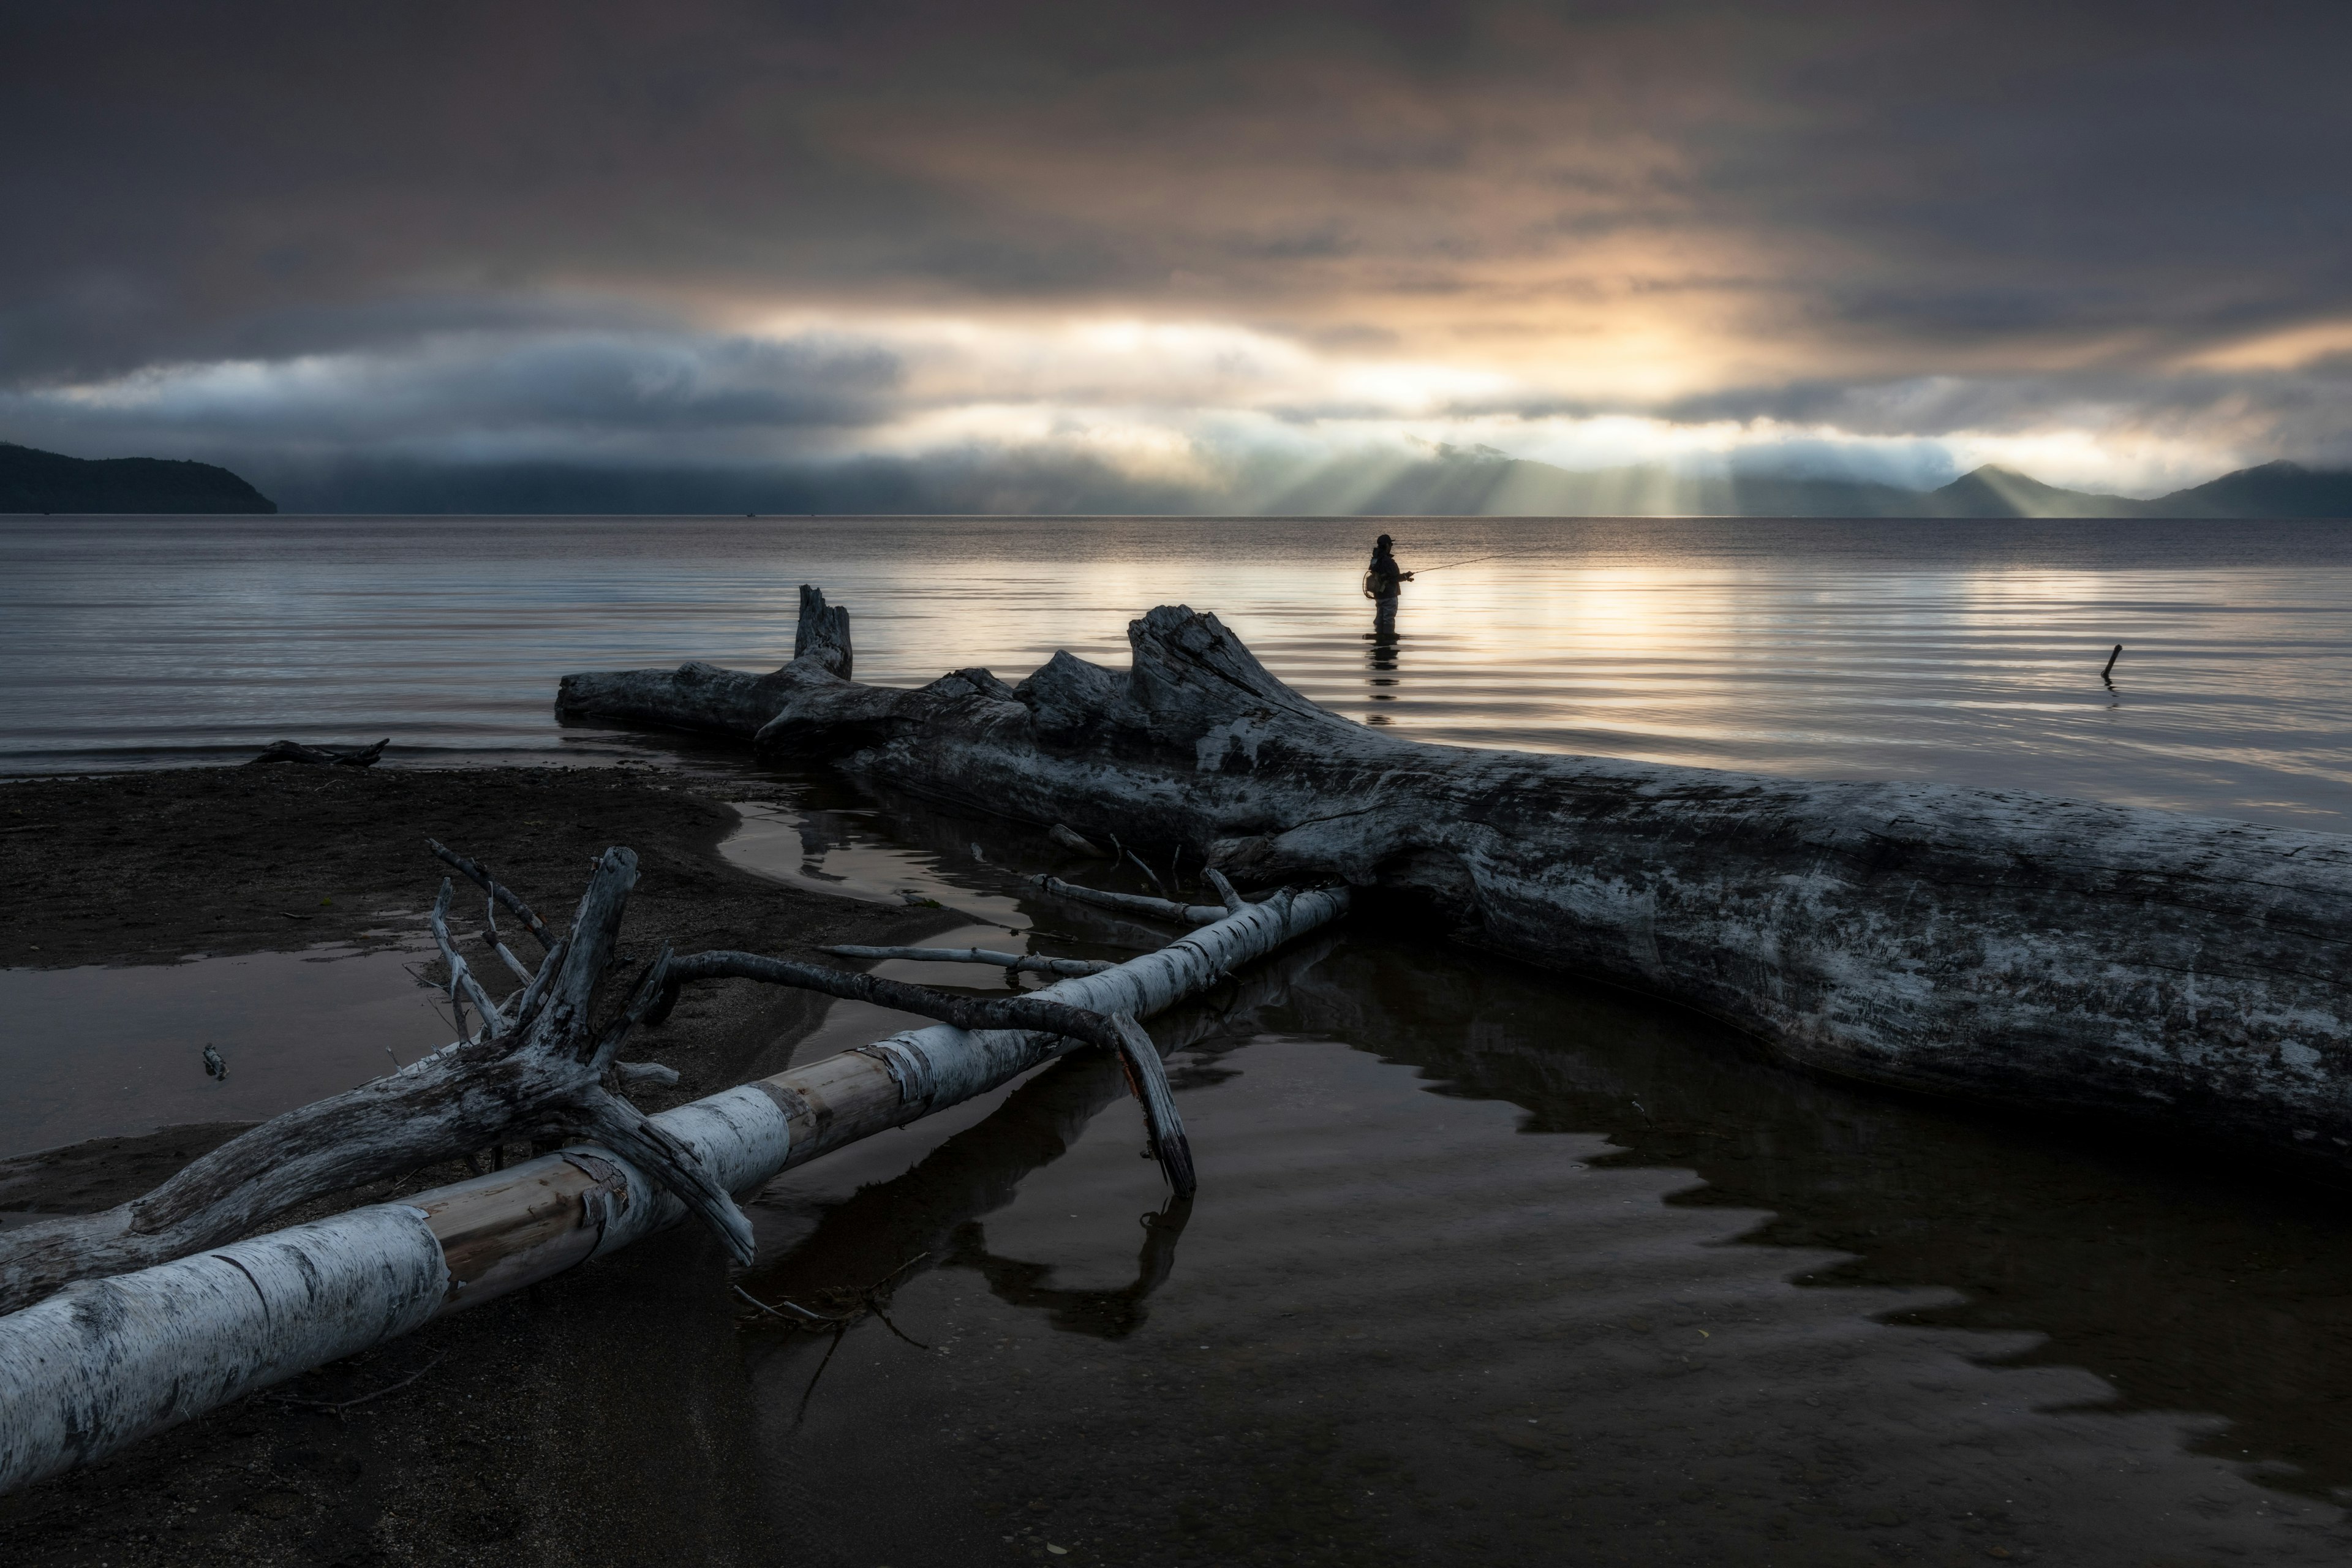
(1952, 213)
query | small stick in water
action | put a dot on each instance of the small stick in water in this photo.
(2108, 674)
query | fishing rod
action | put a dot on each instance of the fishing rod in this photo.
(1424, 571)
(1371, 593)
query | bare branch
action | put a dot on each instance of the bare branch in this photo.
(1147, 1079)
(461, 979)
(1019, 962)
(1132, 903)
(490, 933)
(473, 872)
(963, 1012)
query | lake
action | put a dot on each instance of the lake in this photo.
(1967, 651)
(1487, 1264)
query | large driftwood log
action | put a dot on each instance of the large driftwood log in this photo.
(2006, 946)
(107, 1361)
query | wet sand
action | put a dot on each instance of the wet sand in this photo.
(511, 1446)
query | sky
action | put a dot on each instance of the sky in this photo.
(1108, 257)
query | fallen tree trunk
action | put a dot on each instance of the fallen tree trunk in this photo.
(2008, 947)
(106, 1360)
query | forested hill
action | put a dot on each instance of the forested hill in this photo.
(47, 481)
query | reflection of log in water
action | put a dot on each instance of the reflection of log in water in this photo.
(930, 1212)
(1105, 1314)
(2041, 1229)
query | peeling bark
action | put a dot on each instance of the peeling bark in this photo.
(2009, 947)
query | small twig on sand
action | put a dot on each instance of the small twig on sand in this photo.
(337, 1406)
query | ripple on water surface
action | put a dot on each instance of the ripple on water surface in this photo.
(1488, 1266)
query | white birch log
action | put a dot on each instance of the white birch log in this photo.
(106, 1360)
(2188, 972)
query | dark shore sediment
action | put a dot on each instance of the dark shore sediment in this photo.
(576, 1422)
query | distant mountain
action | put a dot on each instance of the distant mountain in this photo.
(2275, 489)
(1481, 480)
(47, 482)
(1995, 491)
(1454, 481)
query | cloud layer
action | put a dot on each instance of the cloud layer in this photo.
(1202, 249)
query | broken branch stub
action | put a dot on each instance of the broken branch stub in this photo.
(823, 635)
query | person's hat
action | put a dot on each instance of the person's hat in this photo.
(1383, 539)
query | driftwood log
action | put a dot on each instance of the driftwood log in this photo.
(105, 1361)
(705, 697)
(322, 757)
(2005, 946)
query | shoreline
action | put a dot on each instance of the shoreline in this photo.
(524, 1411)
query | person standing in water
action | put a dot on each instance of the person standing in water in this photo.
(1380, 580)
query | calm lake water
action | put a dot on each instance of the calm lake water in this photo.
(1967, 651)
(1487, 1265)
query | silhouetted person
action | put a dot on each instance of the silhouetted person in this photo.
(1381, 580)
(1382, 577)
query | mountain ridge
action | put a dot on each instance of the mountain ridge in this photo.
(1455, 481)
(1492, 483)
(32, 480)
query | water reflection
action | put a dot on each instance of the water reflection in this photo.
(1500, 1317)
(1380, 657)
(1106, 1314)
